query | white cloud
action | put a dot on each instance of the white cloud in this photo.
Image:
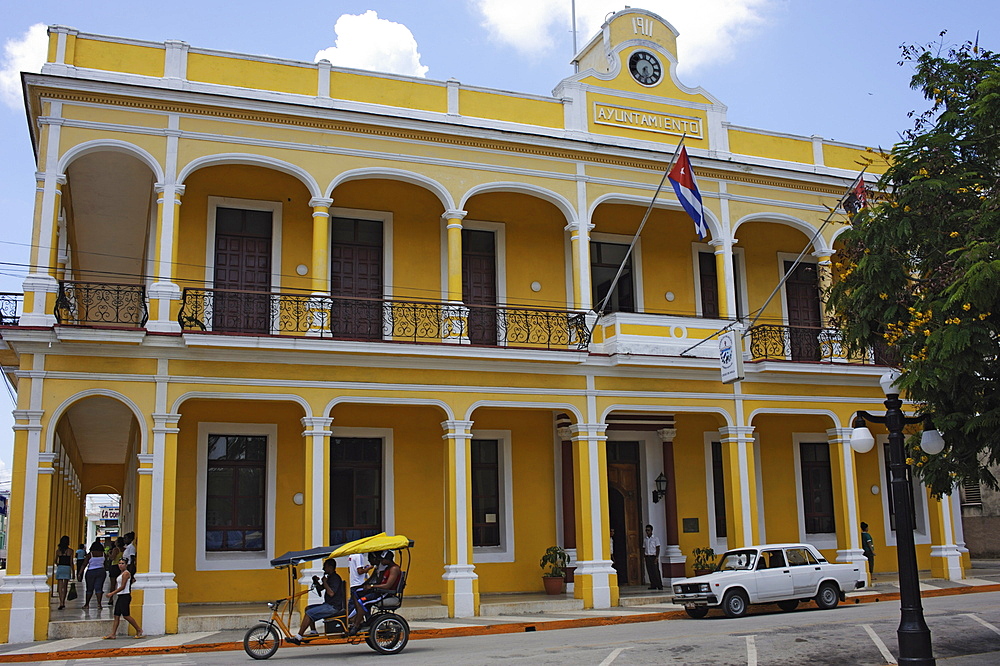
(709, 29)
(365, 41)
(26, 54)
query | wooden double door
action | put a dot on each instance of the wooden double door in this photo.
(624, 511)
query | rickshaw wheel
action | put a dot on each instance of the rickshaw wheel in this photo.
(261, 641)
(388, 634)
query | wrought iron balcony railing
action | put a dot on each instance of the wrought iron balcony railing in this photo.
(11, 306)
(348, 318)
(807, 344)
(101, 304)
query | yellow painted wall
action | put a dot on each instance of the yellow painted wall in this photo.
(533, 467)
(536, 245)
(117, 57)
(245, 182)
(761, 243)
(416, 231)
(508, 108)
(418, 465)
(426, 96)
(238, 586)
(666, 254)
(248, 73)
(767, 145)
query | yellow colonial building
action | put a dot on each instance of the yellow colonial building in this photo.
(279, 304)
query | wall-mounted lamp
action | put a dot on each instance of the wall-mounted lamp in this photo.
(661, 488)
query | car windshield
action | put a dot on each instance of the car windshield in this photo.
(738, 560)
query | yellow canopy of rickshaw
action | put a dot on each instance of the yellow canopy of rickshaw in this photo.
(372, 544)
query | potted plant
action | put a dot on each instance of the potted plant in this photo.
(554, 570)
(704, 561)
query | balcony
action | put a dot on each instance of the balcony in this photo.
(11, 306)
(101, 304)
(365, 319)
(772, 342)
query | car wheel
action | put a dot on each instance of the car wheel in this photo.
(734, 604)
(388, 634)
(261, 641)
(697, 612)
(828, 597)
(788, 604)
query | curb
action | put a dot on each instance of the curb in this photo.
(457, 632)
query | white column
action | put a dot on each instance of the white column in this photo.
(24, 587)
(316, 431)
(164, 291)
(157, 609)
(461, 580)
(846, 496)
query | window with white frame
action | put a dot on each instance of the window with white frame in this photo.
(492, 500)
(236, 481)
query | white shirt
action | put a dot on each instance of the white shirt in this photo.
(354, 562)
(129, 553)
(650, 544)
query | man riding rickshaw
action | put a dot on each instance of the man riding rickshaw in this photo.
(367, 615)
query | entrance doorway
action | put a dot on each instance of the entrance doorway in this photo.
(624, 512)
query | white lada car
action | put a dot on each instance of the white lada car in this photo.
(784, 574)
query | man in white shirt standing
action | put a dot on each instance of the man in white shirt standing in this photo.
(129, 554)
(359, 568)
(651, 550)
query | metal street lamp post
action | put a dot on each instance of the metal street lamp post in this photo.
(913, 635)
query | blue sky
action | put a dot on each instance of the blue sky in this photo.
(799, 66)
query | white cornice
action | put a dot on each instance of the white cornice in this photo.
(265, 102)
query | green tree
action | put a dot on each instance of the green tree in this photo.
(920, 270)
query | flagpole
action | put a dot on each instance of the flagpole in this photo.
(635, 238)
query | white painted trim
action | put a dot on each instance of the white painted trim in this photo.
(717, 543)
(383, 216)
(388, 469)
(244, 561)
(637, 283)
(825, 540)
(759, 477)
(274, 207)
(505, 551)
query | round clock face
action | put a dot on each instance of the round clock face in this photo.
(645, 68)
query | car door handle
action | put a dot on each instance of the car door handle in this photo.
(786, 571)
(819, 568)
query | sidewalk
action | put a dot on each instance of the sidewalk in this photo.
(984, 576)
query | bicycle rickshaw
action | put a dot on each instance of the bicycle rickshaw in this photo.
(383, 630)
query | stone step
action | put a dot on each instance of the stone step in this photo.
(645, 599)
(529, 606)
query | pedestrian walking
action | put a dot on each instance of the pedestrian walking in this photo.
(95, 573)
(651, 550)
(64, 569)
(868, 546)
(123, 601)
(81, 555)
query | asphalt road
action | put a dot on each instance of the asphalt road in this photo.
(965, 631)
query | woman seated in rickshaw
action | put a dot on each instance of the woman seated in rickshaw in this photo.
(332, 586)
(371, 592)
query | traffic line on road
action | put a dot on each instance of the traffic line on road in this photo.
(614, 655)
(751, 650)
(983, 622)
(889, 659)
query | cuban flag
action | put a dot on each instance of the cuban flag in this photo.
(686, 189)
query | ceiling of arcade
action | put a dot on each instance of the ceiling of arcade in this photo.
(109, 198)
(101, 427)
